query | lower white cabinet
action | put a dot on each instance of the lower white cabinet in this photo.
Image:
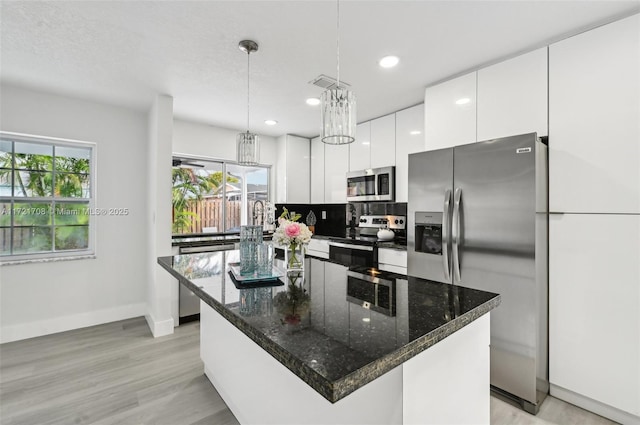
(594, 313)
(392, 260)
(318, 248)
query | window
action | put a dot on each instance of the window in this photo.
(216, 196)
(46, 197)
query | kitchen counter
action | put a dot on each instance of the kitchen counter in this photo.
(209, 239)
(398, 244)
(335, 343)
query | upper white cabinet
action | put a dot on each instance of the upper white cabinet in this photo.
(383, 141)
(360, 150)
(450, 113)
(512, 97)
(594, 110)
(292, 174)
(594, 311)
(317, 171)
(336, 165)
(409, 139)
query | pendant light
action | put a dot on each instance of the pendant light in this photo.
(248, 151)
(338, 106)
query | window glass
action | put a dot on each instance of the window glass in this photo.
(45, 197)
(214, 196)
(72, 172)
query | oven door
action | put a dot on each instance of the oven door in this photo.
(353, 255)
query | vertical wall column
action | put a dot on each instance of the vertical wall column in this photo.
(161, 287)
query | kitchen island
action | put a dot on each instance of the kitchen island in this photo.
(339, 346)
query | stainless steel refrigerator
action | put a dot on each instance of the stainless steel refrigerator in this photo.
(478, 217)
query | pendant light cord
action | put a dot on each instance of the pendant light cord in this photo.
(338, 44)
(248, 88)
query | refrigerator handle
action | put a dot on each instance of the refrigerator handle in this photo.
(455, 233)
(445, 235)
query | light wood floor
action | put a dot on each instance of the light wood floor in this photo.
(118, 373)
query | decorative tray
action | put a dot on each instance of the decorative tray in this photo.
(254, 281)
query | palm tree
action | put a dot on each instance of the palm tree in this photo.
(189, 186)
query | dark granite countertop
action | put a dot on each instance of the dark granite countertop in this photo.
(334, 340)
(208, 239)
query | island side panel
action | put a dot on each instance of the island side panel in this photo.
(449, 382)
(260, 390)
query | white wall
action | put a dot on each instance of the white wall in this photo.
(43, 298)
(215, 142)
(162, 288)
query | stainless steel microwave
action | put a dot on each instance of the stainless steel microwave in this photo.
(373, 184)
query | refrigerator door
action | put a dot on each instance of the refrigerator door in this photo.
(494, 237)
(428, 217)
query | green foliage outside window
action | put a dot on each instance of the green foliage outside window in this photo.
(44, 197)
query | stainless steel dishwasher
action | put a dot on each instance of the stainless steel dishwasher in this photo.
(189, 303)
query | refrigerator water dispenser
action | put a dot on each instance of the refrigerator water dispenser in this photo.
(428, 236)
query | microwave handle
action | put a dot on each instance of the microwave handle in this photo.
(376, 189)
(445, 236)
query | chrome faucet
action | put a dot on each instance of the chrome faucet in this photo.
(256, 214)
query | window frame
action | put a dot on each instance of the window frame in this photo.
(225, 163)
(90, 250)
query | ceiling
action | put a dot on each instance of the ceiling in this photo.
(126, 52)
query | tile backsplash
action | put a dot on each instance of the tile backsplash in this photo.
(335, 219)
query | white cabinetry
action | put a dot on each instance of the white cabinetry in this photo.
(512, 97)
(392, 260)
(383, 141)
(409, 139)
(594, 312)
(360, 150)
(317, 171)
(450, 113)
(594, 110)
(293, 169)
(336, 161)
(318, 247)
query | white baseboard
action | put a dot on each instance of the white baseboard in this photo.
(159, 327)
(594, 406)
(66, 323)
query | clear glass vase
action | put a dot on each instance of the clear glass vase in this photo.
(250, 238)
(294, 257)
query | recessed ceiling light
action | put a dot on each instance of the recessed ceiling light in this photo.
(463, 101)
(389, 61)
(415, 132)
(271, 122)
(366, 319)
(313, 101)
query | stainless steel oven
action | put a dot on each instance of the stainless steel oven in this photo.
(373, 184)
(372, 290)
(351, 254)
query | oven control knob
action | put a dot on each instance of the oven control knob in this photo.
(401, 221)
(396, 221)
(363, 220)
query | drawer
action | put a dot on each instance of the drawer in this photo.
(393, 257)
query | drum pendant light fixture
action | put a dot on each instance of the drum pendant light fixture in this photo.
(338, 106)
(248, 146)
